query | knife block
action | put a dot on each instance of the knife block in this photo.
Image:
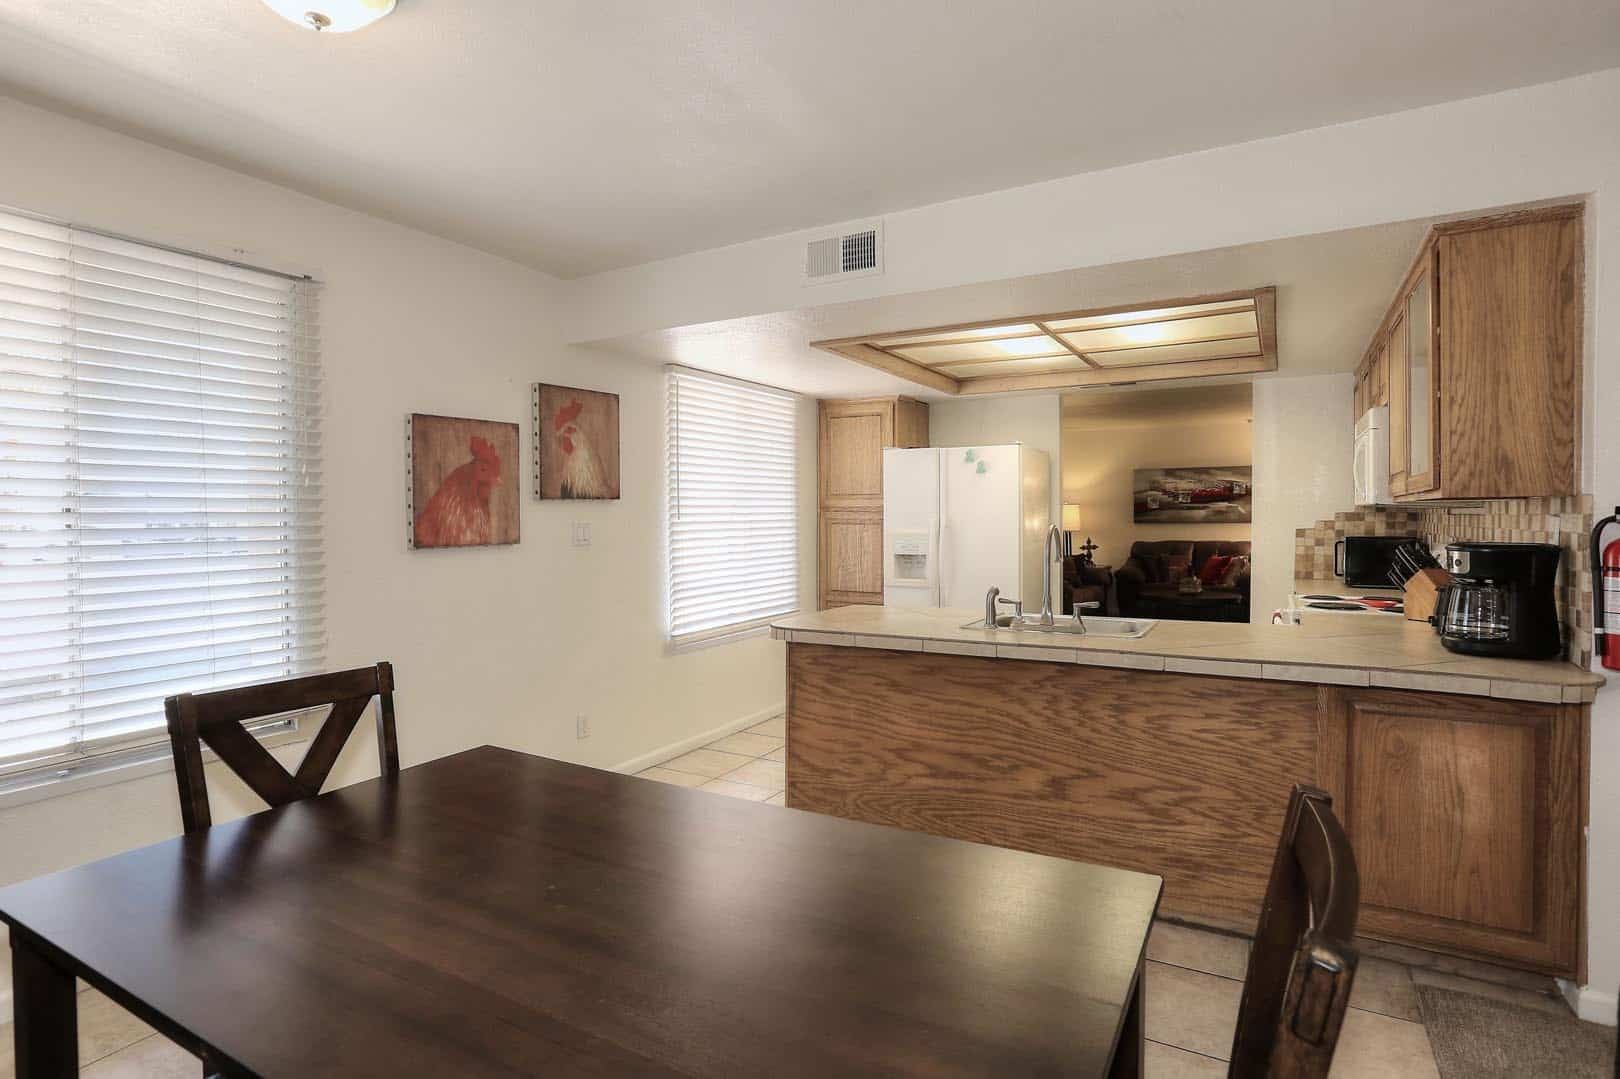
(1423, 590)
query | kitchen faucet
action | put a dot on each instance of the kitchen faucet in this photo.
(1050, 552)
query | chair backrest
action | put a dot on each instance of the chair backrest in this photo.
(1302, 965)
(216, 719)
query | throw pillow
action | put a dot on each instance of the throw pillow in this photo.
(1235, 569)
(1213, 569)
(1156, 567)
(1177, 566)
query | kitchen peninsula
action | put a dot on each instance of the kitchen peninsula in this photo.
(1461, 781)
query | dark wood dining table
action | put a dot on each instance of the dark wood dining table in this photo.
(497, 913)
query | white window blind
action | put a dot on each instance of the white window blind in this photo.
(159, 486)
(733, 513)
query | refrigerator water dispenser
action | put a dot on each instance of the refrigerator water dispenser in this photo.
(909, 552)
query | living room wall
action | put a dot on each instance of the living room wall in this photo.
(1106, 437)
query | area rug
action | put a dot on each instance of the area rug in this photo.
(1480, 1038)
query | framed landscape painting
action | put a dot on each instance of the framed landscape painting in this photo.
(576, 443)
(464, 484)
(1193, 495)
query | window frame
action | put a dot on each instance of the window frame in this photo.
(753, 625)
(88, 763)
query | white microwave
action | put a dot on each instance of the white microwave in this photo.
(1372, 457)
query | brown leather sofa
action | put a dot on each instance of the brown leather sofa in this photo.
(1084, 583)
(1148, 585)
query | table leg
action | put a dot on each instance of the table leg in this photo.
(1128, 1063)
(47, 1014)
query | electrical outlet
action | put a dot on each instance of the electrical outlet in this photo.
(582, 726)
(582, 533)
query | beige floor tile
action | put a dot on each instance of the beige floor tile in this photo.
(778, 754)
(1546, 1002)
(1386, 988)
(779, 799)
(747, 743)
(154, 1058)
(708, 763)
(1377, 1047)
(1168, 1062)
(772, 775)
(736, 790)
(1192, 1010)
(672, 777)
(1199, 949)
(776, 727)
(105, 1028)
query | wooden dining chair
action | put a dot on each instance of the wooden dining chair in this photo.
(216, 719)
(1302, 965)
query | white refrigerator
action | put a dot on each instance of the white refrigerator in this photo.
(959, 519)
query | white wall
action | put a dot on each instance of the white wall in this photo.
(1541, 142)
(1303, 444)
(500, 645)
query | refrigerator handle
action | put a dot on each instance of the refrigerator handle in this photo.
(944, 516)
(936, 575)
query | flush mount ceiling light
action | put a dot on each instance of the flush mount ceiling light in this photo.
(1231, 333)
(331, 16)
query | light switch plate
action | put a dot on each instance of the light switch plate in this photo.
(582, 533)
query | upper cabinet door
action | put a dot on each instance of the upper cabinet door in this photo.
(1400, 403)
(853, 435)
(1422, 400)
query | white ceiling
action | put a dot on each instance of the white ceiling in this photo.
(585, 135)
(1332, 289)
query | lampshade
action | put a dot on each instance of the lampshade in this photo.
(332, 16)
(1071, 517)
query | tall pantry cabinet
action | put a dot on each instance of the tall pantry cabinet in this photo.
(853, 436)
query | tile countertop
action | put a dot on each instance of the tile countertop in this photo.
(1330, 648)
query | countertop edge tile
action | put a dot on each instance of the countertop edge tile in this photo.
(1317, 673)
(811, 636)
(1508, 689)
(1221, 668)
(1130, 661)
(959, 648)
(1040, 655)
(1432, 683)
(892, 644)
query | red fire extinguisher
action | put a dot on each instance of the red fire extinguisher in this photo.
(1606, 594)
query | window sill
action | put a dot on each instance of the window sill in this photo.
(725, 635)
(91, 773)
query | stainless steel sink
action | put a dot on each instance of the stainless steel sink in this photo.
(1089, 626)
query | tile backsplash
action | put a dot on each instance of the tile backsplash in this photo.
(1566, 521)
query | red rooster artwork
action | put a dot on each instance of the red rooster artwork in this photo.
(579, 443)
(464, 492)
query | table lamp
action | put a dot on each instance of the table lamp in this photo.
(1071, 525)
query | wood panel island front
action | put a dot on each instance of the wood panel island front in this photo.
(1461, 781)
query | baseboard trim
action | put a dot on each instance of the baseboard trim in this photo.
(1592, 1005)
(697, 741)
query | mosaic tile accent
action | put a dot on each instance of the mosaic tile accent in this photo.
(1566, 521)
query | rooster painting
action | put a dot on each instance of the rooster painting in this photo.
(579, 444)
(465, 493)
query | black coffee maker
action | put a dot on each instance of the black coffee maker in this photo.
(1500, 601)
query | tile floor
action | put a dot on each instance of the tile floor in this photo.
(1194, 976)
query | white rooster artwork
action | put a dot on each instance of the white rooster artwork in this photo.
(578, 443)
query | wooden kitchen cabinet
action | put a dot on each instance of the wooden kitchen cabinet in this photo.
(1481, 351)
(1466, 818)
(853, 436)
(1466, 813)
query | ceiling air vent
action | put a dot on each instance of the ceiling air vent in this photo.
(847, 254)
